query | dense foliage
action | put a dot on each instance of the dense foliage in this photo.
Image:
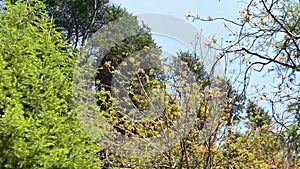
(37, 128)
(45, 60)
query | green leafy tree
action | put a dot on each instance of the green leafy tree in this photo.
(79, 19)
(129, 53)
(38, 128)
(198, 148)
(257, 116)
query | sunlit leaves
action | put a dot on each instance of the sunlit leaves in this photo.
(38, 129)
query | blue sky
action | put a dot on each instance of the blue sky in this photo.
(204, 8)
(179, 8)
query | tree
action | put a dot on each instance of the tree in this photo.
(257, 116)
(265, 41)
(130, 53)
(195, 149)
(78, 20)
(44, 92)
(38, 128)
(135, 45)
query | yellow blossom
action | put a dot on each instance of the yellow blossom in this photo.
(200, 61)
(132, 60)
(107, 64)
(286, 36)
(281, 58)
